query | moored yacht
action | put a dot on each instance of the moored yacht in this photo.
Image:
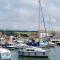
(10, 46)
(20, 44)
(37, 43)
(33, 52)
(5, 54)
(9, 43)
(51, 44)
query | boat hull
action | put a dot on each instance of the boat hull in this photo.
(33, 54)
(5, 59)
(10, 48)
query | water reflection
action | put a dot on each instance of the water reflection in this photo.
(14, 54)
(32, 58)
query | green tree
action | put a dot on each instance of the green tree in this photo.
(16, 34)
(53, 33)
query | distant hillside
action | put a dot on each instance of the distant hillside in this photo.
(20, 30)
(11, 32)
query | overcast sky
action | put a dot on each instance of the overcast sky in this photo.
(23, 14)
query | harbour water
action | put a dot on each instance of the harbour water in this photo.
(54, 54)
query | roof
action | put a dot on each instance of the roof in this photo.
(4, 50)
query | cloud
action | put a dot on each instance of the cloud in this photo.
(54, 10)
(23, 14)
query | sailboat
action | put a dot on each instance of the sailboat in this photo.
(31, 51)
(38, 42)
(46, 40)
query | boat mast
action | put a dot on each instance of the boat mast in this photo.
(40, 9)
(39, 21)
(50, 24)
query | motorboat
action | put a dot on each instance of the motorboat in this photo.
(33, 52)
(10, 46)
(51, 44)
(37, 43)
(5, 54)
(20, 44)
(43, 44)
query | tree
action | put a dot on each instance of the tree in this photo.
(16, 34)
(53, 33)
(23, 35)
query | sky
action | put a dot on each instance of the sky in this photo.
(24, 14)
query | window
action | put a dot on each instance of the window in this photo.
(43, 53)
(30, 50)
